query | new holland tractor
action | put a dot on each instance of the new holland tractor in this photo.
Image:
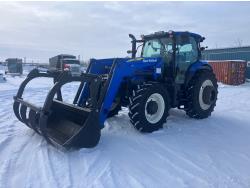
(167, 73)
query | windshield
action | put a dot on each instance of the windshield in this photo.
(157, 47)
(71, 61)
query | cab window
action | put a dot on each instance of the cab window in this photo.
(187, 50)
(152, 48)
(186, 54)
(157, 47)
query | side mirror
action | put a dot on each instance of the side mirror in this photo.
(203, 48)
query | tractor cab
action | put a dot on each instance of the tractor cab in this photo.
(178, 50)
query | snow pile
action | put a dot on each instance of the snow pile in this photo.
(213, 152)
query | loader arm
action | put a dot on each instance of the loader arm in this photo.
(120, 69)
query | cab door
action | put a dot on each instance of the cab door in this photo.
(186, 54)
(168, 58)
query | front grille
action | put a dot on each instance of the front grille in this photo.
(75, 69)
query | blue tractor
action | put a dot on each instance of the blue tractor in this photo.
(167, 73)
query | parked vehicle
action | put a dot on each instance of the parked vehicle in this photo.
(64, 62)
(2, 78)
(15, 66)
(168, 74)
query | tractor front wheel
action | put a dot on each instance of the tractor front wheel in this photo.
(149, 106)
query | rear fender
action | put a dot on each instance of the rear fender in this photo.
(194, 68)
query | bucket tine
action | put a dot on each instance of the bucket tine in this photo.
(23, 111)
(32, 120)
(17, 111)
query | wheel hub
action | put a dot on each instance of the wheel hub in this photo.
(152, 107)
(208, 95)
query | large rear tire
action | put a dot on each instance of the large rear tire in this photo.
(201, 95)
(149, 106)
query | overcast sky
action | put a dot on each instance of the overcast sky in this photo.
(39, 30)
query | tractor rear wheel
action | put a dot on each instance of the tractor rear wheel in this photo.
(148, 108)
(201, 95)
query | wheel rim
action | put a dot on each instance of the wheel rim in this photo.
(204, 104)
(154, 116)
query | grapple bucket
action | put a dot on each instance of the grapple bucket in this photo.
(63, 124)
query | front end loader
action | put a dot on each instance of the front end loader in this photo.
(59, 122)
(76, 124)
(166, 75)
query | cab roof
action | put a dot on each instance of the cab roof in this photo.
(176, 33)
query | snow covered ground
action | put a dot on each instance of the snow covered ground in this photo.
(213, 152)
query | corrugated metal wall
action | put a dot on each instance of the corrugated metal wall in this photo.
(248, 70)
(239, 53)
(229, 72)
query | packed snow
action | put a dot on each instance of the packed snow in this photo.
(213, 152)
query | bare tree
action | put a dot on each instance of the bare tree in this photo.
(216, 45)
(239, 42)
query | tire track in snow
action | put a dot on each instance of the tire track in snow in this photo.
(102, 172)
(6, 162)
(181, 168)
(182, 171)
(11, 160)
(7, 126)
(59, 166)
(36, 167)
(29, 178)
(177, 156)
(7, 123)
(69, 170)
(7, 94)
(29, 157)
(124, 178)
(38, 172)
(47, 174)
(4, 170)
(89, 165)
